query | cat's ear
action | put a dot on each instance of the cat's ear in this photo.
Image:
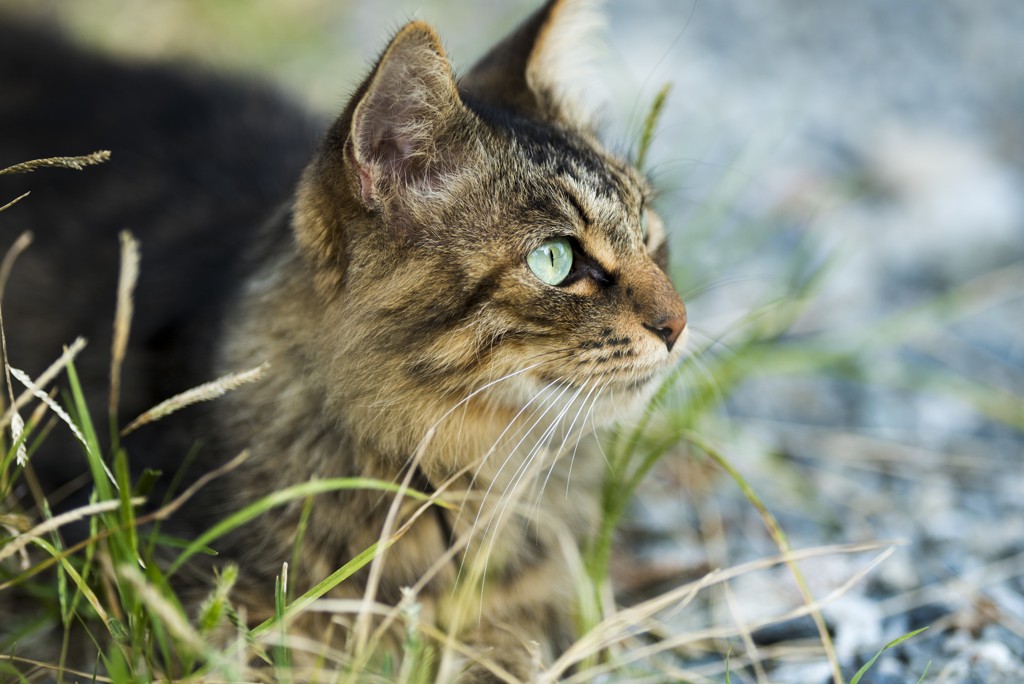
(401, 128)
(537, 67)
(401, 145)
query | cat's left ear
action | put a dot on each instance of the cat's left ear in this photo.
(536, 69)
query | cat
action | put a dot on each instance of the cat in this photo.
(464, 285)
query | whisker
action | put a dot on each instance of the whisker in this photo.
(572, 460)
(568, 434)
(492, 383)
(514, 449)
(524, 466)
(494, 446)
(483, 459)
(494, 480)
(465, 400)
(557, 453)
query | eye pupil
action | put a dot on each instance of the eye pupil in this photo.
(552, 261)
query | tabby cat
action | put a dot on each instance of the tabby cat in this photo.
(464, 284)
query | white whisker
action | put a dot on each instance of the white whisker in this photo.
(568, 434)
(579, 437)
(484, 458)
(523, 468)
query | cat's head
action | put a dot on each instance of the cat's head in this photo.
(473, 242)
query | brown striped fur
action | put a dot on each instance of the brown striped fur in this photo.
(409, 295)
(392, 298)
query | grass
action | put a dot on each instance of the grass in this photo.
(112, 588)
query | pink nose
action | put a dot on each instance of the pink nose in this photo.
(669, 329)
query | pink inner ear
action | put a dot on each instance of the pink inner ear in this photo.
(366, 185)
(397, 127)
(365, 178)
(385, 148)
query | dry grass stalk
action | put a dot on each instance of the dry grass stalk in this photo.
(468, 652)
(15, 250)
(17, 424)
(161, 514)
(15, 522)
(166, 511)
(337, 605)
(17, 432)
(205, 392)
(88, 676)
(781, 541)
(627, 620)
(39, 530)
(23, 378)
(56, 408)
(77, 163)
(123, 316)
(26, 562)
(442, 561)
(44, 379)
(748, 639)
(977, 579)
(40, 410)
(14, 201)
(647, 652)
(302, 644)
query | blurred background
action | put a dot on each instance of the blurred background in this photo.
(843, 184)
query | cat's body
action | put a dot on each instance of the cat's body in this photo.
(400, 305)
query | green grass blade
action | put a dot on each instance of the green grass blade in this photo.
(650, 122)
(283, 496)
(894, 642)
(9, 669)
(171, 489)
(100, 473)
(76, 578)
(283, 661)
(124, 490)
(335, 578)
(179, 543)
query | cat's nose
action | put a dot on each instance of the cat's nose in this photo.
(669, 329)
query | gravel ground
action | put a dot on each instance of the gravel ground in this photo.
(891, 132)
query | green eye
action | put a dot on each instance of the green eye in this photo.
(552, 261)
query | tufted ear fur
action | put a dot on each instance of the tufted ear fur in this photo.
(399, 126)
(534, 68)
(401, 145)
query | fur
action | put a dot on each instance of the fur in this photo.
(392, 299)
